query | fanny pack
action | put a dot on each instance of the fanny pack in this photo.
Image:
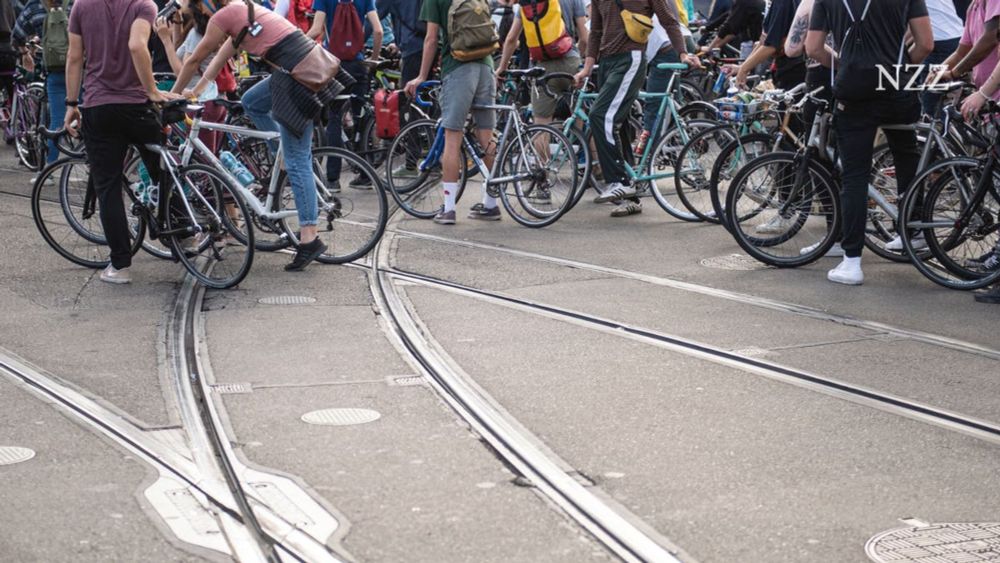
(637, 26)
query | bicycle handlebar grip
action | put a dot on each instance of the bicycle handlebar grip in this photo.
(672, 66)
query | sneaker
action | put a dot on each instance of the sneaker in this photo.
(361, 182)
(627, 208)
(835, 251)
(896, 244)
(847, 273)
(776, 226)
(114, 275)
(482, 213)
(445, 218)
(542, 194)
(333, 186)
(405, 171)
(992, 296)
(305, 254)
(989, 262)
(615, 191)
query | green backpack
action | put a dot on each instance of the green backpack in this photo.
(55, 37)
(471, 30)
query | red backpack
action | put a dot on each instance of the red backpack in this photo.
(347, 34)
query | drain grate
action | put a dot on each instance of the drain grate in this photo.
(9, 455)
(938, 543)
(286, 300)
(341, 417)
(405, 380)
(233, 388)
(751, 351)
(736, 262)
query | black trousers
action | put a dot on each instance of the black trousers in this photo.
(409, 71)
(108, 131)
(856, 124)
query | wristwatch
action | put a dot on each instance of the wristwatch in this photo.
(72, 103)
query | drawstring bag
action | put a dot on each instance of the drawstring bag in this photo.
(857, 76)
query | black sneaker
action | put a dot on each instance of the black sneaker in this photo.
(305, 254)
(991, 296)
(361, 182)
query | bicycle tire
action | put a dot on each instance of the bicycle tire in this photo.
(87, 248)
(927, 187)
(355, 220)
(229, 234)
(693, 180)
(581, 141)
(542, 200)
(26, 139)
(732, 158)
(419, 195)
(766, 249)
(664, 156)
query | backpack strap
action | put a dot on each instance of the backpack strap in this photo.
(251, 25)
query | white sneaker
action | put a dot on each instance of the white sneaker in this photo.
(835, 251)
(848, 272)
(112, 275)
(896, 244)
(614, 192)
(776, 226)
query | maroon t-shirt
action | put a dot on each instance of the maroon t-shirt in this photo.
(104, 26)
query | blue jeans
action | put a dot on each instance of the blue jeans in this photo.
(298, 151)
(656, 82)
(942, 50)
(55, 89)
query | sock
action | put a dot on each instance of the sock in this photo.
(450, 191)
(488, 202)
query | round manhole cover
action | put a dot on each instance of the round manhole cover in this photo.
(341, 417)
(963, 542)
(10, 455)
(740, 262)
(287, 300)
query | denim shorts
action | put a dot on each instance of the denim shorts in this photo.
(468, 84)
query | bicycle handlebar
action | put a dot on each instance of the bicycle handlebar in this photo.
(424, 86)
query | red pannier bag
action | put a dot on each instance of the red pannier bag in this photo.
(388, 112)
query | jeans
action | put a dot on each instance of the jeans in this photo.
(656, 82)
(942, 50)
(297, 151)
(335, 129)
(108, 131)
(856, 125)
(55, 89)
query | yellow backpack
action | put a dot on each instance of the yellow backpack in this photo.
(545, 30)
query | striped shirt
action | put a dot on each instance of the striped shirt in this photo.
(607, 30)
(29, 22)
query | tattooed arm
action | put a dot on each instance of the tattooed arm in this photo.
(796, 41)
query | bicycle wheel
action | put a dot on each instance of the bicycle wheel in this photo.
(414, 184)
(350, 222)
(542, 166)
(936, 207)
(370, 145)
(221, 254)
(783, 211)
(663, 161)
(732, 158)
(64, 207)
(692, 179)
(30, 146)
(585, 163)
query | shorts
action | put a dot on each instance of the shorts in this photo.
(542, 104)
(469, 84)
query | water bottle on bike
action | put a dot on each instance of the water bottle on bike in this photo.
(236, 168)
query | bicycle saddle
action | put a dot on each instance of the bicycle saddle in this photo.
(533, 72)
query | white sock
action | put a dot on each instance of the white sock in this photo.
(450, 191)
(488, 202)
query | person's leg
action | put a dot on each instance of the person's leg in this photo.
(106, 148)
(298, 164)
(458, 90)
(214, 113)
(620, 74)
(410, 70)
(856, 130)
(55, 89)
(257, 105)
(656, 81)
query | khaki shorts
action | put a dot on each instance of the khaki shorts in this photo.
(543, 105)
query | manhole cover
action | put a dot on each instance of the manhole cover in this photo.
(740, 262)
(341, 417)
(287, 300)
(938, 543)
(10, 455)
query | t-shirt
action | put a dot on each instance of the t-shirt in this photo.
(776, 25)
(945, 22)
(571, 9)
(436, 11)
(329, 7)
(233, 18)
(110, 75)
(887, 21)
(981, 11)
(190, 42)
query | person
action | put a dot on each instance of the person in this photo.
(277, 103)
(622, 70)
(743, 23)
(879, 43)
(463, 84)
(977, 49)
(117, 111)
(31, 23)
(322, 26)
(409, 32)
(948, 29)
(789, 72)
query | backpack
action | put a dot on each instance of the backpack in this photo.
(388, 112)
(471, 30)
(55, 37)
(348, 31)
(857, 76)
(544, 30)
